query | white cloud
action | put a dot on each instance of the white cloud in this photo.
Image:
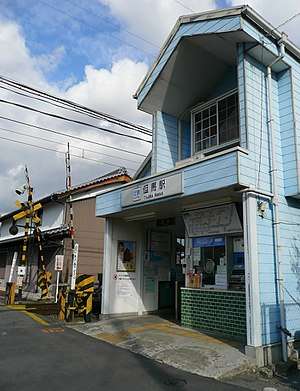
(16, 59)
(153, 19)
(112, 89)
(107, 90)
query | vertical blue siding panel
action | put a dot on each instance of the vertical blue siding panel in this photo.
(288, 141)
(165, 143)
(255, 171)
(242, 98)
(254, 168)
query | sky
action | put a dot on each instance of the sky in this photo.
(94, 52)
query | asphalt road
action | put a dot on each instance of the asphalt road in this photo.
(36, 356)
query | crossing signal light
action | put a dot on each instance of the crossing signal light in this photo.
(13, 230)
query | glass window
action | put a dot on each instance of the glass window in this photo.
(216, 124)
(207, 253)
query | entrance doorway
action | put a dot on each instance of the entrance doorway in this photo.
(163, 267)
(169, 297)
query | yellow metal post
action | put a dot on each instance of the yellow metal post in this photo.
(10, 293)
(62, 304)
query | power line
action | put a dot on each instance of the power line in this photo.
(288, 20)
(72, 104)
(65, 108)
(108, 22)
(56, 116)
(61, 152)
(59, 143)
(184, 6)
(92, 27)
(69, 136)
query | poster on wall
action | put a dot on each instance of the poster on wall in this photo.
(212, 221)
(124, 288)
(126, 256)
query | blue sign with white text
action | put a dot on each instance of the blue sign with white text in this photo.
(209, 241)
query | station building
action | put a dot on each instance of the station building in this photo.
(209, 229)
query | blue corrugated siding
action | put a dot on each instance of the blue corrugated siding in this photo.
(289, 215)
(146, 171)
(255, 168)
(290, 260)
(190, 29)
(165, 143)
(185, 140)
(255, 171)
(108, 203)
(287, 133)
(291, 188)
(241, 92)
(212, 174)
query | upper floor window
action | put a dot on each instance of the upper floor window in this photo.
(216, 123)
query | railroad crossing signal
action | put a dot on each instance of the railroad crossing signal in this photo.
(29, 212)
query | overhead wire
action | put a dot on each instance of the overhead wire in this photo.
(71, 145)
(56, 116)
(70, 136)
(62, 152)
(67, 108)
(288, 20)
(184, 5)
(112, 24)
(92, 27)
(72, 104)
(280, 25)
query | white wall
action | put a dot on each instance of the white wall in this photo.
(53, 214)
(122, 290)
(141, 286)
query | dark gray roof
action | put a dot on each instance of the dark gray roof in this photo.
(74, 189)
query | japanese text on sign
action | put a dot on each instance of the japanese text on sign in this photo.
(151, 190)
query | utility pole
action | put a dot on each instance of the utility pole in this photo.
(74, 246)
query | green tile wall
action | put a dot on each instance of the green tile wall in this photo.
(214, 311)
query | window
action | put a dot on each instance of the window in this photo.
(217, 123)
(208, 253)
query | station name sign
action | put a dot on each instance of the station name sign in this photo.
(154, 189)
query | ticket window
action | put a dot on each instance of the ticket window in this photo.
(209, 256)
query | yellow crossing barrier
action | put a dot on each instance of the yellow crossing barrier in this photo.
(84, 295)
(44, 280)
(80, 301)
(62, 304)
(10, 293)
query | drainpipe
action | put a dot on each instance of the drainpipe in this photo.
(276, 220)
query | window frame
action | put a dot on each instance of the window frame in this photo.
(200, 107)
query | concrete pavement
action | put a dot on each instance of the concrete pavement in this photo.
(40, 356)
(166, 342)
